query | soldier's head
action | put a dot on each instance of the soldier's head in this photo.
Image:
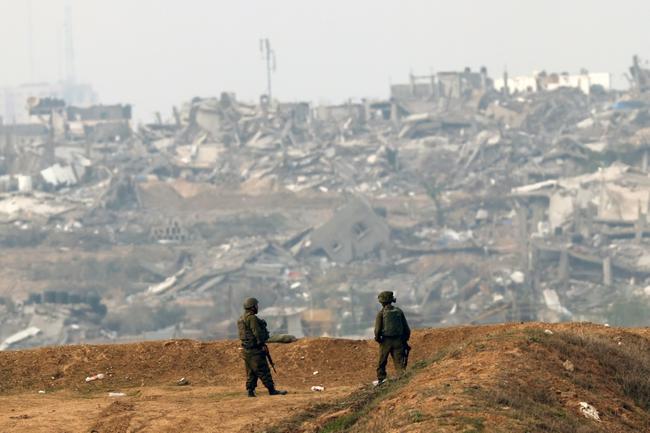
(386, 298)
(251, 304)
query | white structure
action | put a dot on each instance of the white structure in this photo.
(25, 184)
(541, 81)
(13, 100)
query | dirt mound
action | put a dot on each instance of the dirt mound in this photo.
(514, 378)
(337, 362)
(165, 362)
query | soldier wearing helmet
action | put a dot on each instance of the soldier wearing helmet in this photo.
(254, 335)
(392, 332)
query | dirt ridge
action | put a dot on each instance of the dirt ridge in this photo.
(510, 377)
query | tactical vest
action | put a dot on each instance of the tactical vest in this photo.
(248, 340)
(393, 325)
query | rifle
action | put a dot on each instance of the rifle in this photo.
(268, 356)
(405, 352)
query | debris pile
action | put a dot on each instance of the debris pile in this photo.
(475, 200)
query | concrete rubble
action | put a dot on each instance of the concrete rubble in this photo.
(476, 200)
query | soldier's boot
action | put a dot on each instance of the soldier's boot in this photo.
(251, 393)
(273, 391)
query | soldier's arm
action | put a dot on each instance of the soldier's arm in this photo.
(379, 325)
(254, 326)
(407, 330)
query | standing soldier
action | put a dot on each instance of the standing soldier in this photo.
(392, 332)
(254, 335)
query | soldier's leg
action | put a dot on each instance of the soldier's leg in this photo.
(397, 352)
(384, 350)
(391, 352)
(251, 377)
(262, 371)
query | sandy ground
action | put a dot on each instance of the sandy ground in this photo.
(447, 395)
(157, 409)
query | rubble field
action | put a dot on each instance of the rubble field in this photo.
(476, 199)
(511, 377)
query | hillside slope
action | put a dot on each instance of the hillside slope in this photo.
(502, 378)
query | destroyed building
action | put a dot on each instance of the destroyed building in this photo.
(475, 205)
(354, 232)
(444, 84)
(100, 122)
(13, 99)
(640, 76)
(542, 81)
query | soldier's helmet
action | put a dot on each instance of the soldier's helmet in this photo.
(250, 303)
(386, 296)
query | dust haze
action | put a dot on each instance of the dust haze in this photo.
(161, 161)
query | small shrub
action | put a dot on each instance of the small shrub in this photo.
(416, 416)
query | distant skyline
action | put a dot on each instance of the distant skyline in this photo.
(158, 53)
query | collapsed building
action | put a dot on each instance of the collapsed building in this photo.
(354, 232)
(473, 204)
(541, 81)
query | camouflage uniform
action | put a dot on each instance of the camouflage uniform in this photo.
(392, 345)
(255, 337)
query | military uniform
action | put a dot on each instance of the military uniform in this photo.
(392, 332)
(254, 335)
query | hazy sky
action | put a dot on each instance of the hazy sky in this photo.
(157, 53)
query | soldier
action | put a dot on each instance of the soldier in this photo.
(392, 332)
(253, 335)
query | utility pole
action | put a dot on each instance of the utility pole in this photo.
(30, 29)
(70, 76)
(268, 55)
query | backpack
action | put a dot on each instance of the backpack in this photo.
(393, 324)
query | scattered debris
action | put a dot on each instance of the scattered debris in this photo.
(518, 277)
(98, 376)
(589, 411)
(568, 366)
